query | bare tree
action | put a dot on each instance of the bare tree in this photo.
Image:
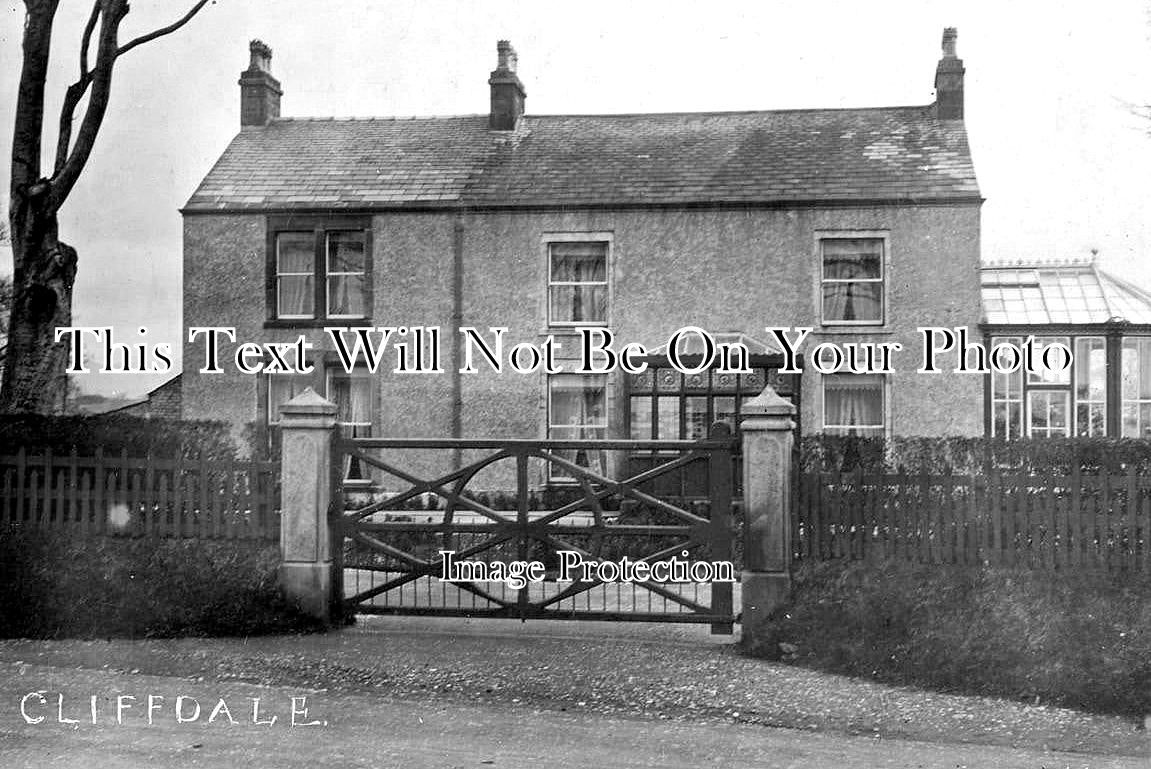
(44, 267)
(5, 302)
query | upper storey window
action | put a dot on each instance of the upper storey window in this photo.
(852, 280)
(319, 269)
(577, 282)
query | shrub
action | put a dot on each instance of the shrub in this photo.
(1078, 639)
(57, 584)
(965, 455)
(114, 433)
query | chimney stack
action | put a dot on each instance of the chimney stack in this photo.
(507, 90)
(259, 91)
(949, 80)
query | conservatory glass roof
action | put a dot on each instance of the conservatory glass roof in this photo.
(1076, 292)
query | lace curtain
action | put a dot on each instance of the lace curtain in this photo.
(295, 271)
(578, 281)
(852, 280)
(577, 411)
(853, 403)
(346, 273)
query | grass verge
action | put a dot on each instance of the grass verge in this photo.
(1076, 639)
(60, 585)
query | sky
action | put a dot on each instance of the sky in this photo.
(1052, 91)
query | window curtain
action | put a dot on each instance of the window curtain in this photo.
(853, 401)
(353, 398)
(295, 270)
(844, 263)
(345, 273)
(577, 412)
(579, 263)
(281, 389)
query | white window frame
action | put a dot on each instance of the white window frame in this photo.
(1136, 402)
(883, 280)
(329, 273)
(309, 274)
(1084, 360)
(1015, 405)
(273, 410)
(604, 238)
(602, 427)
(863, 431)
(334, 372)
(1042, 376)
(1049, 432)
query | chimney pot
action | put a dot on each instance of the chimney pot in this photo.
(950, 34)
(507, 91)
(259, 92)
(261, 60)
(949, 80)
(507, 58)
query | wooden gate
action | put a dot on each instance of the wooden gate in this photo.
(590, 519)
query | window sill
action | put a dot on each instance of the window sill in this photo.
(320, 323)
(843, 330)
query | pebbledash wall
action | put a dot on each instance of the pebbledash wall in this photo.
(723, 265)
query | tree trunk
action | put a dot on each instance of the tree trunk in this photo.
(34, 378)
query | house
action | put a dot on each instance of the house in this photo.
(163, 401)
(1106, 324)
(860, 223)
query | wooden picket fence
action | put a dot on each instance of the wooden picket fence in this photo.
(1074, 521)
(141, 497)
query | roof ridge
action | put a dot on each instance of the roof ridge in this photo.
(368, 118)
(726, 113)
(529, 116)
(1050, 263)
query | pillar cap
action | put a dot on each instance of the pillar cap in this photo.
(768, 404)
(309, 403)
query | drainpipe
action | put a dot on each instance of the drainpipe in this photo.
(454, 332)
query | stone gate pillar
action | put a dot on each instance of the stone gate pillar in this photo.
(767, 441)
(307, 423)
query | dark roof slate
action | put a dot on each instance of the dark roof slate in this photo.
(895, 153)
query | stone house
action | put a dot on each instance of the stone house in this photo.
(862, 224)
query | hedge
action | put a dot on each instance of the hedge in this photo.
(56, 584)
(114, 433)
(972, 455)
(1077, 639)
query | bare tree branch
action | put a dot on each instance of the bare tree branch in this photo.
(111, 12)
(101, 84)
(163, 30)
(87, 39)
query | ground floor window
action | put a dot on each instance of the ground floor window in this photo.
(1137, 387)
(353, 395)
(1049, 404)
(664, 404)
(1090, 367)
(1048, 414)
(854, 404)
(577, 410)
(281, 389)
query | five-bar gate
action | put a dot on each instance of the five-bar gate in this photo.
(597, 504)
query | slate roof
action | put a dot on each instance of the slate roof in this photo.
(882, 154)
(1076, 293)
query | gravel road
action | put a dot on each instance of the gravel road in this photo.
(650, 674)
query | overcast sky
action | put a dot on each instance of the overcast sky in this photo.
(1061, 159)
